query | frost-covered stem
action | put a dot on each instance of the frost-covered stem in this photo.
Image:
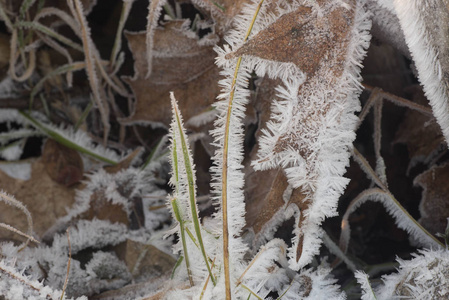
(88, 47)
(50, 32)
(183, 238)
(154, 12)
(12, 229)
(383, 191)
(13, 202)
(224, 174)
(191, 186)
(127, 4)
(64, 141)
(399, 101)
(224, 196)
(14, 56)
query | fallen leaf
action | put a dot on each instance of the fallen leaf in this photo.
(45, 200)
(263, 189)
(145, 261)
(181, 64)
(307, 42)
(63, 165)
(100, 207)
(314, 124)
(434, 206)
(221, 11)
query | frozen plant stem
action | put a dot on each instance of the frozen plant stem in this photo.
(224, 174)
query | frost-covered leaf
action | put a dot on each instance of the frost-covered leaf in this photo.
(425, 26)
(105, 196)
(49, 263)
(386, 26)
(182, 63)
(221, 12)
(46, 200)
(146, 262)
(15, 285)
(434, 206)
(423, 277)
(313, 124)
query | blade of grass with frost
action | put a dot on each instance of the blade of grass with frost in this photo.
(156, 153)
(402, 218)
(50, 32)
(187, 180)
(76, 66)
(126, 8)
(178, 217)
(175, 207)
(154, 12)
(228, 179)
(76, 7)
(425, 25)
(78, 141)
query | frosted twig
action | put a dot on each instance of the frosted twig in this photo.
(10, 200)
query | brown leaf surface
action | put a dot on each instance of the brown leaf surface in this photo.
(63, 165)
(304, 41)
(317, 44)
(434, 206)
(46, 200)
(263, 189)
(146, 261)
(100, 207)
(221, 11)
(180, 64)
(419, 132)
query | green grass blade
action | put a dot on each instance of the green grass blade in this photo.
(191, 185)
(63, 140)
(183, 238)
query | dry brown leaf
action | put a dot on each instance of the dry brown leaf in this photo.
(316, 41)
(263, 189)
(63, 165)
(145, 261)
(434, 206)
(46, 200)
(221, 11)
(180, 64)
(309, 43)
(419, 132)
(100, 207)
(263, 194)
